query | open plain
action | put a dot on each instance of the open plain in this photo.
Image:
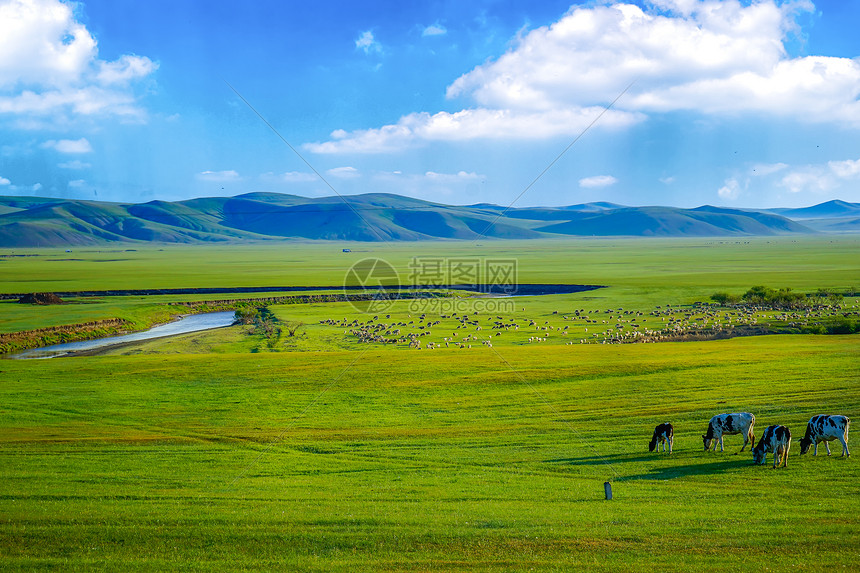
(237, 449)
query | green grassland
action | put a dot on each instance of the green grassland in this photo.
(381, 460)
(640, 273)
(221, 451)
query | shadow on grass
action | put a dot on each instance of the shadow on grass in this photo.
(670, 467)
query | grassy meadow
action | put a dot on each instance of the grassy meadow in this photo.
(211, 451)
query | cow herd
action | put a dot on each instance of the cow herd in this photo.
(776, 439)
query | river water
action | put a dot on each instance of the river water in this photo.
(191, 323)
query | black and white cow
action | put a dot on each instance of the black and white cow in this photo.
(663, 434)
(824, 428)
(722, 424)
(776, 439)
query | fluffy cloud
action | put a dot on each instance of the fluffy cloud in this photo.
(705, 56)
(4, 181)
(731, 189)
(69, 145)
(49, 65)
(344, 172)
(447, 178)
(434, 30)
(219, 176)
(845, 169)
(597, 181)
(367, 43)
(470, 124)
(820, 178)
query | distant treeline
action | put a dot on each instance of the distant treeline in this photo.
(784, 298)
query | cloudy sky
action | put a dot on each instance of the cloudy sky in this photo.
(670, 102)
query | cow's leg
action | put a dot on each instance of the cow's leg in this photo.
(721, 444)
(827, 445)
(749, 438)
(672, 439)
(845, 451)
(815, 451)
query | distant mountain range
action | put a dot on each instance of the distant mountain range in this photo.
(46, 222)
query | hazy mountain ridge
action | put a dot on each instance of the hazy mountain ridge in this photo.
(40, 221)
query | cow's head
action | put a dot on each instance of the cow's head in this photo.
(652, 444)
(758, 455)
(707, 441)
(805, 443)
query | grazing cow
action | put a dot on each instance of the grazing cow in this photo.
(824, 428)
(776, 439)
(662, 434)
(721, 424)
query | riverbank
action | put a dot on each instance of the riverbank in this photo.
(184, 325)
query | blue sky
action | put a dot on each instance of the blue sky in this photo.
(744, 104)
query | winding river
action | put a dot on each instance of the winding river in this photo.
(186, 324)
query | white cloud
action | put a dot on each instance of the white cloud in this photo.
(447, 178)
(367, 43)
(470, 124)
(77, 183)
(434, 30)
(820, 178)
(125, 69)
(49, 65)
(706, 56)
(731, 189)
(69, 145)
(597, 181)
(77, 164)
(219, 176)
(667, 180)
(765, 169)
(428, 185)
(811, 178)
(289, 177)
(4, 181)
(845, 169)
(344, 172)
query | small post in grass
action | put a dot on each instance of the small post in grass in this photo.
(607, 488)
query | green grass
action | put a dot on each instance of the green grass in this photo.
(641, 265)
(198, 453)
(640, 272)
(392, 461)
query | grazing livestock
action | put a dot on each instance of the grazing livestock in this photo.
(721, 424)
(776, 439)
(662, 434)
(824, 428)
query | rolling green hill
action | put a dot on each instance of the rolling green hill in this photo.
(46, 222)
